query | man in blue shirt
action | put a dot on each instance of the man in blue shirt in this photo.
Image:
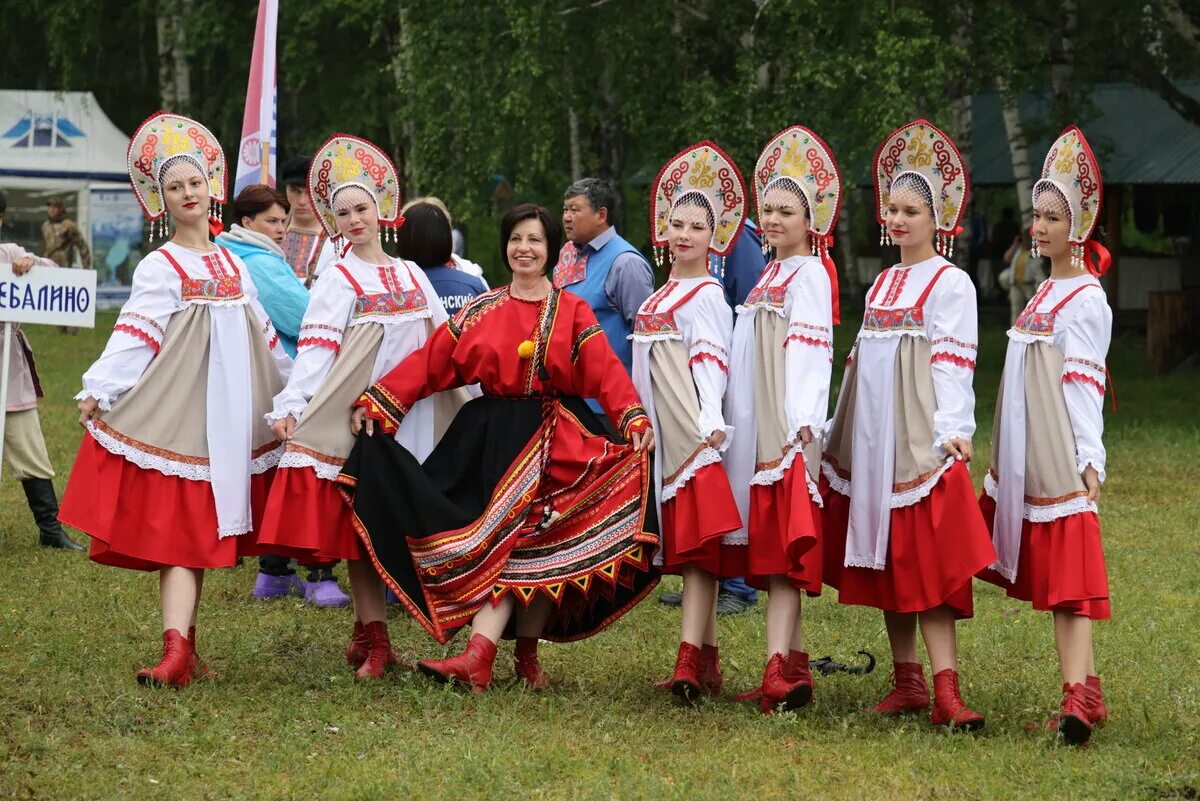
(598, 265)
(743, 267)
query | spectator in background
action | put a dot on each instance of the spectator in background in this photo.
(257, 234)
(24, 446)
(425, 240)
(601, 267)
(61, 238)
(305, 244)
(456, 261)
(62, 241)
(257, 237)
(1024, 274)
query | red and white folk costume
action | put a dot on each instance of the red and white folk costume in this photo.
(1049, 415)
(900, 533)
(362, 320)
(681, 340)
(174, 470)
(782, 361)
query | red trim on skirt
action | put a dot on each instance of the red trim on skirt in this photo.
(308, 519)
(693, 522)
(144, 520)
(785, 532)
(935, 548)
(1060, 567)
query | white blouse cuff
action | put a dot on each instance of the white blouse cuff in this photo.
(103, 401)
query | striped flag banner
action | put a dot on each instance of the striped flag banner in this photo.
(256, 153)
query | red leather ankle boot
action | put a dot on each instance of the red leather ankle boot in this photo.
(686, 684)
(360, 645)
(795, 667)
(379, 651)
(949, 709)
(1074, 717)
(472, 667)
(786, 686)
(175, 668)
(529, 667)
(910, 693)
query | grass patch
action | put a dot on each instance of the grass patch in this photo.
(288, 721)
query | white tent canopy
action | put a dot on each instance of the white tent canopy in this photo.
(61, 138)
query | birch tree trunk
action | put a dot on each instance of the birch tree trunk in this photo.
(1019, 151)
(174, 75)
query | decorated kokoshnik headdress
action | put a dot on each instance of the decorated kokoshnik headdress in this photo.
(799, 161)
(702, 176)
(1072, 175)
(163, 143)
(361, 169)
(919, 160)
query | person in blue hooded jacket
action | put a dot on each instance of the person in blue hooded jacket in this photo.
(256, 236)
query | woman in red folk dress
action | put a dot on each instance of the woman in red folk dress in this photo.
(903, 531)
(779, 398)
(174, 469)
(367, 313)
(526, 519)
(1047, 456)
(681, 339)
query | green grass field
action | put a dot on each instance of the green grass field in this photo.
(287, 720)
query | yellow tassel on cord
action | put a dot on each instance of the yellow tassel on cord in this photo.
(525, 349)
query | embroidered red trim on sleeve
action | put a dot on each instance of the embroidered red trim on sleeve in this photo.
(314, 342)
(1080, 378)
(703, 356)
(805, 340)
(138, 333)
(952, 359)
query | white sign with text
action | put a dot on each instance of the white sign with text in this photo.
(49, 296)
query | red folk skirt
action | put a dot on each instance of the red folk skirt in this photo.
(1060, 567)
(143, 520)
(693, 522)
(785, 532)
(308, 519)
(935, 548)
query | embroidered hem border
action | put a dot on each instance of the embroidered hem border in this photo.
(906, 494)
(1043, 510)
(169, 463)
(770, 472)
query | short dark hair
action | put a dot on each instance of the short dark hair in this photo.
(599, 194)
(531, 211)
(425, 236)
(254, 200)
(294, 171)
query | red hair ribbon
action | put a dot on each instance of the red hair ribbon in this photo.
(1102, 256)
(215, 227)
(824, 244)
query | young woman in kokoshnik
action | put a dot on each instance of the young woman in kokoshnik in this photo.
(367, 313)
(681, 339)
(779, 398)
(1047, 454)
(903, 532)
(173, 472)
